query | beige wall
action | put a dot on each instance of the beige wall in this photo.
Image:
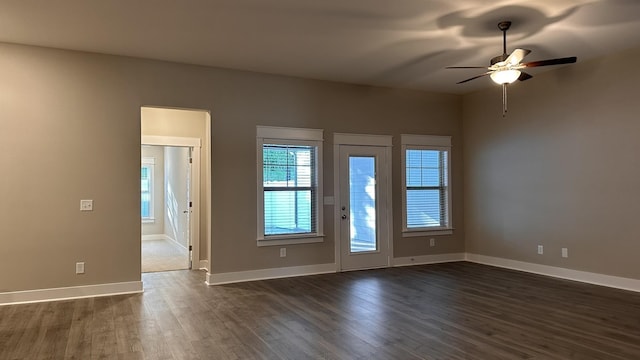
(252, 100)
(70, 130)
(561, 170)
(156, 227)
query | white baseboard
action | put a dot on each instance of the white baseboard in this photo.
(558, 272)
(275, 273)
(76, 292)
(264, 274)
(427, 259)
(68, 293)
(203, 265)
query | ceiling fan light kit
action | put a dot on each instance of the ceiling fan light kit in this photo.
(505, 76)
(507, 68)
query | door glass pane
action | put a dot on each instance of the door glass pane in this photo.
(362, 199)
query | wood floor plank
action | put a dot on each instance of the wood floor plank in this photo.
(447, 311)
(28, 331)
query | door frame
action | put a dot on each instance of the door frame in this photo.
(340, 139)
(194, 191)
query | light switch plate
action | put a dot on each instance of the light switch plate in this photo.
(86, 205)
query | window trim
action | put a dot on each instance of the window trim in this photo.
(426, 142)
(150, 163)
(289, 136)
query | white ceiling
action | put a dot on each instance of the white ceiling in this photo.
(398, 43)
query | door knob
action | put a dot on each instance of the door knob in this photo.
(344, 217)
(186, 211)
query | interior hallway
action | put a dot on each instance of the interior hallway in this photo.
(163, 255)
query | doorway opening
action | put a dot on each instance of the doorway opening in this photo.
(175, 188)
(165, 189)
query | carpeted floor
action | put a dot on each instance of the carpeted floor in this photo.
(163, 255)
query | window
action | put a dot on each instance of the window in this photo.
(289, 189)
(426, 179)
(146, 189)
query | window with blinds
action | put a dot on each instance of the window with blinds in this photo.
(426, 188)
(289, 185)
(426, 184)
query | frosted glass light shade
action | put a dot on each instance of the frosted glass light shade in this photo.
(505, 76)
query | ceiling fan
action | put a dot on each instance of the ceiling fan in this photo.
(507, 68)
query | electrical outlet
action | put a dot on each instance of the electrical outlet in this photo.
(432, 242)
(565, 252)
(540, 250)
(283, 252)
(80, 268)
(86, 205)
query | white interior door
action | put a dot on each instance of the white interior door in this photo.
(363, 207)
(189, 207)
(184, 200)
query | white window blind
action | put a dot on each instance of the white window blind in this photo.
(290, 189)
(426, 188)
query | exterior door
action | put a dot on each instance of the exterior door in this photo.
(363, 207)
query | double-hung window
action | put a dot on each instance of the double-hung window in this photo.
(146, 189)
(426, 182)
(289, 185)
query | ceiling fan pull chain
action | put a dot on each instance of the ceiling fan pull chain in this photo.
(504, 100)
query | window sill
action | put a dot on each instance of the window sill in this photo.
(284, 240)
(148, 220)
(435, 232)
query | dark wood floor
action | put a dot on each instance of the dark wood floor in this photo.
(447, 311)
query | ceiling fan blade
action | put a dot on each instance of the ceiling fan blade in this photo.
(524, 76)
(475, 77)
(516, 56)
(466, 67)
(559, 61)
